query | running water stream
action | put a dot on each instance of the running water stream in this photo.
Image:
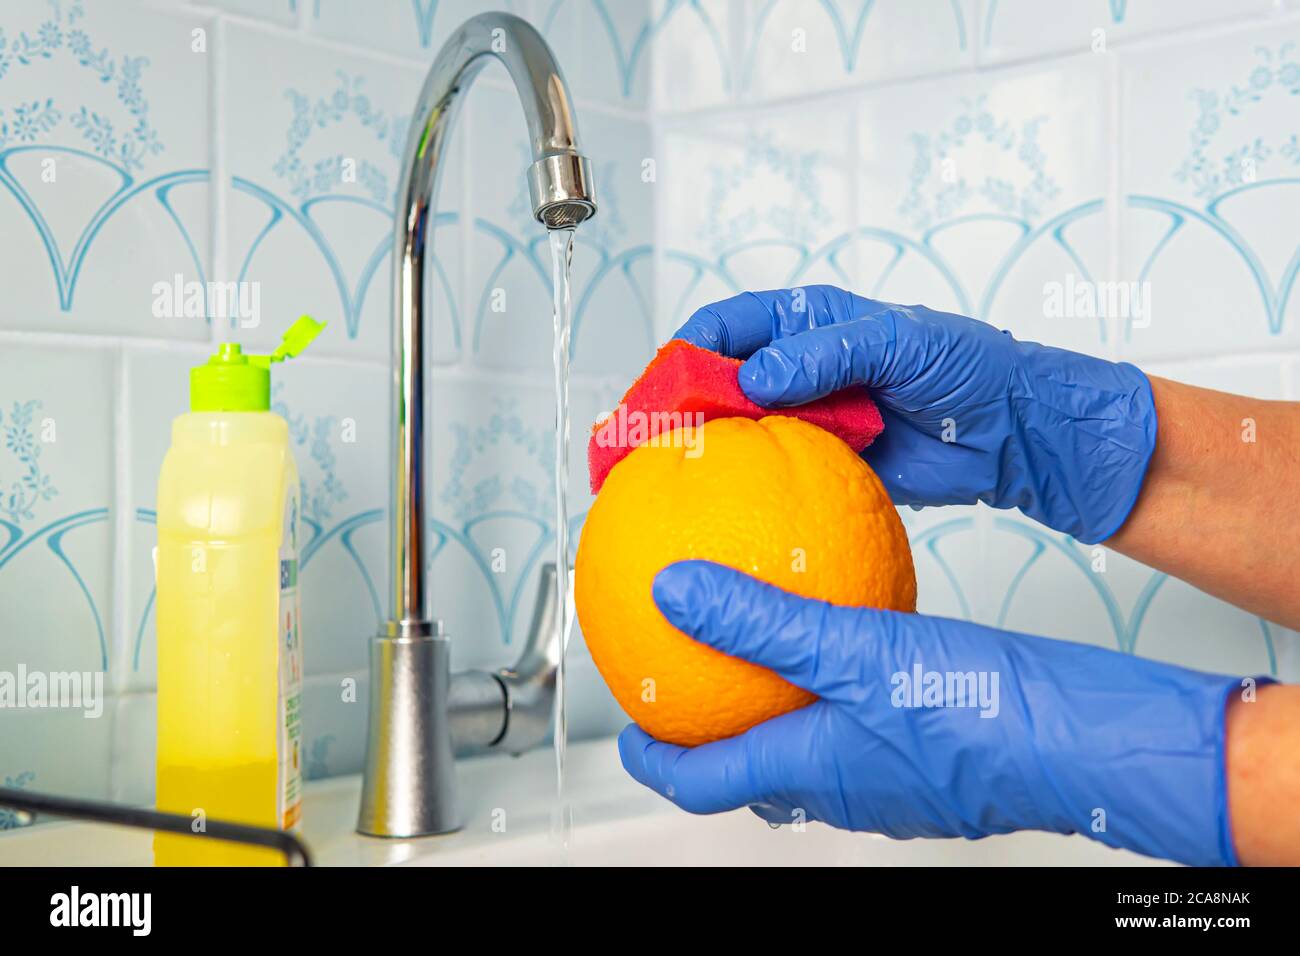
(562, 305)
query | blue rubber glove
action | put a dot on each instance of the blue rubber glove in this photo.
(970, 413)
(1070, 737)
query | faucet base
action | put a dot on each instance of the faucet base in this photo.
(410, 777)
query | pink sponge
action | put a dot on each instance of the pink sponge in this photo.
(685, 379)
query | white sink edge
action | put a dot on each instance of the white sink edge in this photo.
(508, 804)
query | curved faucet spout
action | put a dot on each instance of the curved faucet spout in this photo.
(409, 785)
(562, 194)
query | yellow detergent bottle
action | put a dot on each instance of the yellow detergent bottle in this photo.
(229, 644)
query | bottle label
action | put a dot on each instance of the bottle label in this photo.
(290, 653)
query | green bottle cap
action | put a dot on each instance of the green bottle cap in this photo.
(231, 381)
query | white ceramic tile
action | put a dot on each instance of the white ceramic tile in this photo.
(157, 391)
(1182, 625)
(338, 424)
(977, 192)
(283, 12)
(605, 47)
(56, 507)
(590, 709)
(1012, 29)
(413, 28)
(1210, 156)
(1041, 582)
(135, 748)
(56, 489)
(507, 305)
(492, 506)
(947, 549)
(695, 58)
(55, 751)
(758, 201)
(313, 173)
(508, 308)
(334, 724)
(1286, 649)
(1257, 377)
(795, 47)
(103, 165)
(613, 263)
(1047, 584)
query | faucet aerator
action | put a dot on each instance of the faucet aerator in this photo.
(562, 191)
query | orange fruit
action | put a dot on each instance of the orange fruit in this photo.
(778, 498)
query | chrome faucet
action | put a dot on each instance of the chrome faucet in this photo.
(421, 714)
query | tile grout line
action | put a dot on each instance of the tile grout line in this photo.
(1114, 187)
(1206, 30)
(449, 371)
(121, 573)
(308, 37)
(361, 672)
(218, 331)
(1188, 34)
(94, 341)
(528, 378)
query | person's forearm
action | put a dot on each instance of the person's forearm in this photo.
(1263, 738)
(1218, 505)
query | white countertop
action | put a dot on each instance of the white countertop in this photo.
(508, 805)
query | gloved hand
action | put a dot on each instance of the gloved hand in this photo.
(1060, 737)
(970, 413)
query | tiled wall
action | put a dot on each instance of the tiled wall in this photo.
(218, 153)
(964, 154)
(960, 153)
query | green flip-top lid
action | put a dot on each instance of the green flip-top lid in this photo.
(231, 381)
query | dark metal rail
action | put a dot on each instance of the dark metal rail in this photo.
(29, 805)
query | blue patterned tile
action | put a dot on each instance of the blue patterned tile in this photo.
(795, 47)
(492, 502)
(338, 426)
(948, 545)
(1051, 585)
(754, 202)
(55, 751)
(1182, 625)
(283, 12)
(977, 193)
(56, 508)
(334, 724)
(1046, 583)
(1210, 179)
(694, 53)
(56, 608)
(157, 391)
(103, 165)
(605, 47)
(313, 176)
(508, 308)
(1013, 29)
(412, 28)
